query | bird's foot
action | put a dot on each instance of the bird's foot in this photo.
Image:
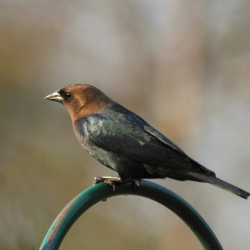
(111, 181)
(114, 181)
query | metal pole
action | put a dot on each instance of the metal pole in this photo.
(147, 189)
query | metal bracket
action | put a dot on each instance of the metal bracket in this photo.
(147, 189)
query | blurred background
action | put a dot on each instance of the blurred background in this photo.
(183, 66)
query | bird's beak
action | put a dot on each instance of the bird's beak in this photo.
(54, 97)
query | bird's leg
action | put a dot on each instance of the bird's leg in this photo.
(108, 179)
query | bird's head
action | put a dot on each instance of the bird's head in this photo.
(80, 99)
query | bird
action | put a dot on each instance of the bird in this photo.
(124, 142)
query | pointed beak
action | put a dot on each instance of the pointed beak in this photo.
(54, 97)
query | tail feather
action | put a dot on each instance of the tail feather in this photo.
(221, 184)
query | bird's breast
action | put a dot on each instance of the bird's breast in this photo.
(81, 132)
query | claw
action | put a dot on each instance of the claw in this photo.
(136, 184)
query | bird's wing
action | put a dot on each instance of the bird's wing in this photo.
(133, 138)
(162, 138)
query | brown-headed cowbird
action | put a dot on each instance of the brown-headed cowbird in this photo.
(124, 142)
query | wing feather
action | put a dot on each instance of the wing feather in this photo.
(136, 140)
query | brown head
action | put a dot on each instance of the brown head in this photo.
(81, 100)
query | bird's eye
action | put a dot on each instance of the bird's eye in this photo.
(67, 95)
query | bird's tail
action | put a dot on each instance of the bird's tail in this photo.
(221, 184)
